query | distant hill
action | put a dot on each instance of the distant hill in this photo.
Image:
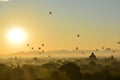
(65, 53)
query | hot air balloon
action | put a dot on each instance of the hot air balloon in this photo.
(39, 52)
(78, 35)
(76, 48)
(103, 48)
(107, 49)
(50, 12)
(42, 45)
(32, 48)
(118, 42)
(43, 51)
(28, 45)
(39, 48)
(96, 49)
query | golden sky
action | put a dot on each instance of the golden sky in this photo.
(97, 22)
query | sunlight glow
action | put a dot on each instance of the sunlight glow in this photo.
(16, 35)
(4, 0)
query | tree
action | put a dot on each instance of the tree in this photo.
(72, 70)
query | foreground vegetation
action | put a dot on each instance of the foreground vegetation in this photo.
(60, 69)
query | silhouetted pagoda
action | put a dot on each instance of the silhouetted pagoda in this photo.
(92, 57)
(112, 58)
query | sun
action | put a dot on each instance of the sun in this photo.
(16, 35)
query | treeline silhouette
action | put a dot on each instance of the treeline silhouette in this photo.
(63, 69)
(48, 71)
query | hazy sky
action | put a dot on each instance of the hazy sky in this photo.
(97, 22)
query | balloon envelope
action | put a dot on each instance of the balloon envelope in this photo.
(118, 42)
(78, 35)
(32, 48)
(39, 48)
(42, 44)
(27, 44)
(76, 48)
(43, 51)
(50, 12)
